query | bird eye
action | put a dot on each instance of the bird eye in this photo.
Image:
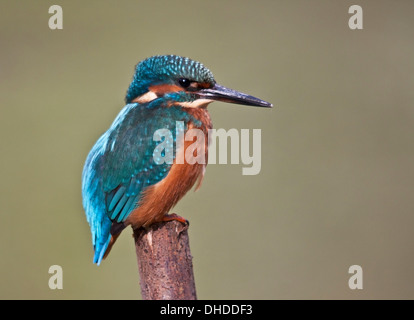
(184, 82)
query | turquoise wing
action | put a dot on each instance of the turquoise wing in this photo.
(122, 164)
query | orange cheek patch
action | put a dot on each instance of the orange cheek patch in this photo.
(204, 85)
(162, 89)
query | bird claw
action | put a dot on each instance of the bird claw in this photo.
(176, 217)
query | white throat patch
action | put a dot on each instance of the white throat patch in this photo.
(146, 97)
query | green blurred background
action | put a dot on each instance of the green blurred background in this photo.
(337, 179)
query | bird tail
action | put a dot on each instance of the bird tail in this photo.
(102, 248)
(110, 244)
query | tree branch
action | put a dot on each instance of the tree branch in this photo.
(165, 262)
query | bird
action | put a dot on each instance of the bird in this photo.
(122, 183)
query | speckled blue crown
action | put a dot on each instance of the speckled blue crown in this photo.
(164, 69)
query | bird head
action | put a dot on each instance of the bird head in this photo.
(179, 80)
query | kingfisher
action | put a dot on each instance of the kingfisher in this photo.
(123, 182)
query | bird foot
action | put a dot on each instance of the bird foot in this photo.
(173, 216)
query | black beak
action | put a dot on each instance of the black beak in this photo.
(220, 93)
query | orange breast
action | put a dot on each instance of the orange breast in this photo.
(160, 198)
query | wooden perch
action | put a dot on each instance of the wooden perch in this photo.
(165, 262)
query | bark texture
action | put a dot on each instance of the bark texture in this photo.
(165, 262)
